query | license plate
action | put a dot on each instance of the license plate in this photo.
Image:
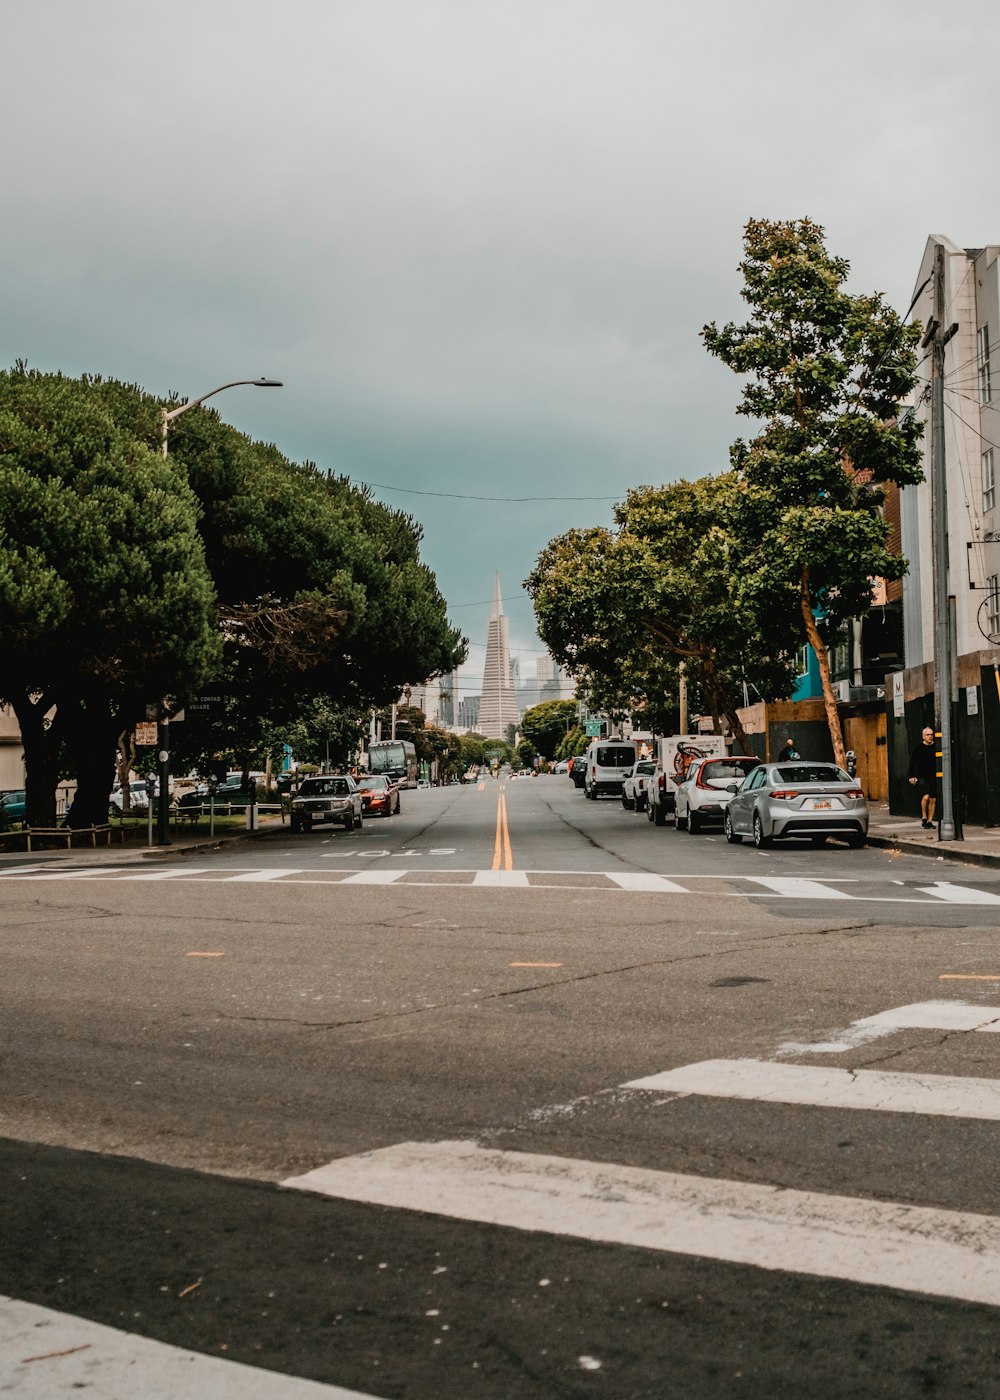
(819, 803)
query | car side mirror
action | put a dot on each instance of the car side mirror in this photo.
(732, 787)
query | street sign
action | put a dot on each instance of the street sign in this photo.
(593, 729)
(145, 733)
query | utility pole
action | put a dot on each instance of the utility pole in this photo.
(937, 338)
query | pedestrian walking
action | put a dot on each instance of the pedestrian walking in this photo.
(788, 752)
(923, 775)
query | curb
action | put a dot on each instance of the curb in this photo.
(944, 850)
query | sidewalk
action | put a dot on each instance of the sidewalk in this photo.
(980, 846)
(181, 843)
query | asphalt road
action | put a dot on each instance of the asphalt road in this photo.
(509, 967)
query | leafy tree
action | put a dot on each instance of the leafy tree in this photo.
(827, 371)
(526, 753)
(546, 725)
(473, 749)
(575, 742)
(623, 608)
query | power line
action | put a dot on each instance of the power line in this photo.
(456, 496)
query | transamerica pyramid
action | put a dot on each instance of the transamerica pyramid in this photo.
(498, 706)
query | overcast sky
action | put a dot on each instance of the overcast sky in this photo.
(477, 240)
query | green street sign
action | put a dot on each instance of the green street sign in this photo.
(593, 729)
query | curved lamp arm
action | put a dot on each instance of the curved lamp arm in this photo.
(170, 414)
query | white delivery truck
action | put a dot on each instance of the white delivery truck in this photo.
(674, 756)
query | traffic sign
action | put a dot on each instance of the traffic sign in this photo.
(145, 733)
(593, 729)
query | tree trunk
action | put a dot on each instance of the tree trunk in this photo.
(823, 659)
(739, 733)
(40, 738)
(92, 726)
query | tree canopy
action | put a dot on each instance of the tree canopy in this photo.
(126, 577)
(826, 371)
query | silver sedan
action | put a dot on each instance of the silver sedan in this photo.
(813, 800)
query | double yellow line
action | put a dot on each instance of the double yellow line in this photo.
(502, 858)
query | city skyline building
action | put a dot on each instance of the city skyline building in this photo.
(498, 704)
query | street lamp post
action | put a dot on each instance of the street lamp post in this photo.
(163, 728)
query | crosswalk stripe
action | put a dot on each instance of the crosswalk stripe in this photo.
(84, 873)
(374, 877)
(949, 1253)
(958, 894)
(639, 881)
(108, 1363)
(507, 879)
(940, 1095)
(251, 877)
(796, 888)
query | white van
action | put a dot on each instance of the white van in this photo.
(608, 763)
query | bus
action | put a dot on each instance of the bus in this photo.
(396, 758)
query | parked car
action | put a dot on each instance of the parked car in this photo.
(13, 807)
(814, 800)
(606, 763)
(634, 789)
(138, 798)
(334, 800)
(230, 793)
(704, 794)
(562, 766)
(379, 795)
(577, 769)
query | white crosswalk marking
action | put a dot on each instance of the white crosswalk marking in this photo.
(374, 877)
(940, 1095)
(109, 1364)
(177, 873)
(91, 872)
(252, 877)
(919, 1250)
(958, 894)
(797, 889)
(656, 884)
(507, 879)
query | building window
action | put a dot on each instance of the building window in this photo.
(993, 605)
(983, 358)
(989, 481)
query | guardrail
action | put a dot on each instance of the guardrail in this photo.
(47, 834)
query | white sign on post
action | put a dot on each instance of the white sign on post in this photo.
(898, 706)
(971, 700)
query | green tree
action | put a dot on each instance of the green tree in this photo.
(826, 372)
(105, 596)
(546, 725)
(622, 608)
(526, 753)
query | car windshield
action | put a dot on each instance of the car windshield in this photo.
(615, 757)
(324, 787)
(372, 784)
(812, 773)
(728, 768)
(645, 767)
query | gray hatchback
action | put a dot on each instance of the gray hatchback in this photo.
(812, 800)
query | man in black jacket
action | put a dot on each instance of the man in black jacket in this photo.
(923, 773)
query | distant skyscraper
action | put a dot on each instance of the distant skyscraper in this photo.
(498, 706)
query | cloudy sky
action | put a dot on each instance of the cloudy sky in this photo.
(477, 239)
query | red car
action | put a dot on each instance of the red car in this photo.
(379, 795)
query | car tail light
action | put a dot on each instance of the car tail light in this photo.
(661, 782)
(784, 793)
(854, 792)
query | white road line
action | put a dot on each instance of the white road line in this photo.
(20, 869)
(958, 894)
(253, 877)
(939, 1095)
(107, 1364)
(88, 873)
(934, 1016)
(374, 877)
(796, 888)
(949, 1253)
(641, 881)
(177, 873)
(509, 879)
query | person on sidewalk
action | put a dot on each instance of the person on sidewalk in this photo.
(923, 774)
(787, 753)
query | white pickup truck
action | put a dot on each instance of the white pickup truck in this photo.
(674, 755)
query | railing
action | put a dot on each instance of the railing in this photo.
(46, 834)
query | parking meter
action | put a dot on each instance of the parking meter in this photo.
(852, 763)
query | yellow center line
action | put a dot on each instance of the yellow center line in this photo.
(502, 856)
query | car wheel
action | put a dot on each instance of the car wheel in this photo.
(649, 811)
(296, 824)
(397, 806)
(306, 824)
(659, 816)
(856, 842)
(694, 822)
(358, 820)
(733, 837)
(818, 840)
(759, 839)
(681, 823)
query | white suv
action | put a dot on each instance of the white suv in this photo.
(608, 761)
(703, 796)
(634, 791)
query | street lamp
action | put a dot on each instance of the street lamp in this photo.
(170, 414)
(163, 729)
